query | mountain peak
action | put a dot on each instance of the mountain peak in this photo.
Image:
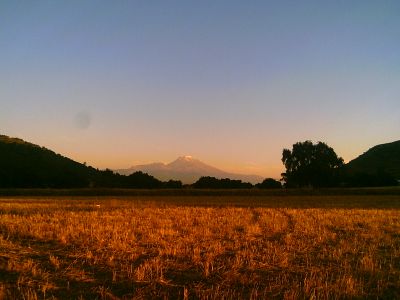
(185, 162)
(186, 158)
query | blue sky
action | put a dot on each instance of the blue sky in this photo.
(115, 83)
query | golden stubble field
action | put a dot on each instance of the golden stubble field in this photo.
(297, 247)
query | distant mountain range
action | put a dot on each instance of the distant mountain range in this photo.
(384, 158)
(188, 170)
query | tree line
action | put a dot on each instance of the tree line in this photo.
(25, 165)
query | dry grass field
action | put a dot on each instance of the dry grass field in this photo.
(295, 247)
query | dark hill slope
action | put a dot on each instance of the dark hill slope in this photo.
(380, 159)
(25, 165)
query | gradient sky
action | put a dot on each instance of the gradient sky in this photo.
(232, 83)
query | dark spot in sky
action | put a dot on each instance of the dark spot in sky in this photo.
(82, 120)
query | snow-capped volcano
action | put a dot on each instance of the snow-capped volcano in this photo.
(188, 170)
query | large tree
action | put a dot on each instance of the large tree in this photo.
(309, 164)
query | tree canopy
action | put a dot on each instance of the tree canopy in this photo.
(309, 164)
(269, 183)
(207, 182)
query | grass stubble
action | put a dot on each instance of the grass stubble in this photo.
(200, 248)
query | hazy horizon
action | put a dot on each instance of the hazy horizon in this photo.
(230, 83)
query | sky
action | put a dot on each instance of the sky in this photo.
(232, 83)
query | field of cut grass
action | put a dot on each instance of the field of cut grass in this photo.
(200, 247)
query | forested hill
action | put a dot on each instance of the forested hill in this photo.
(384, 158)
(25, 165)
